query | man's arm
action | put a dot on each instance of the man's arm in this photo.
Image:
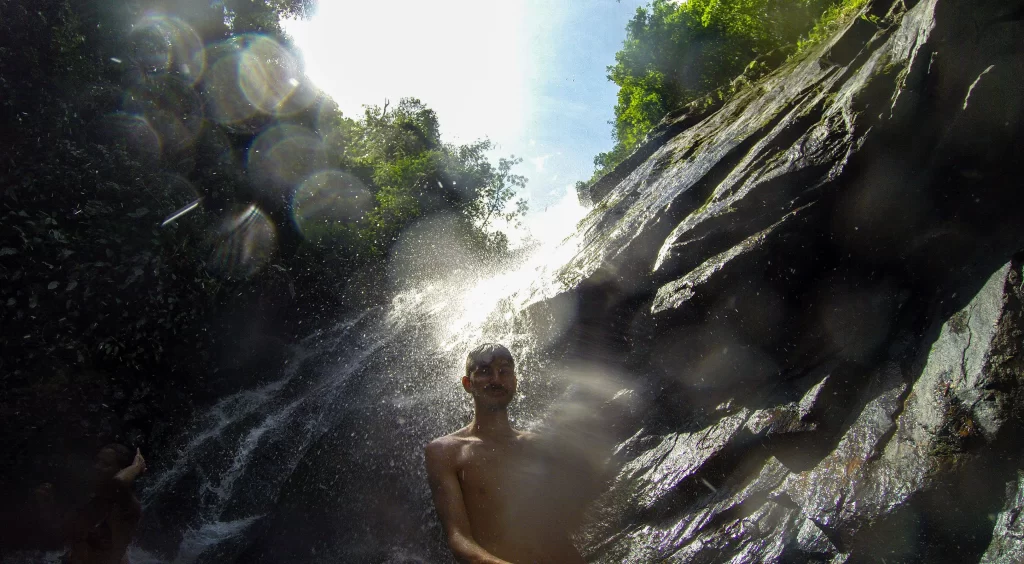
(128, 474)
(451, 507)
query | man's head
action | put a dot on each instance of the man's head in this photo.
(490, 376)
(112, 458)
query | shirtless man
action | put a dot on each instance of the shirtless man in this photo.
(503, 496)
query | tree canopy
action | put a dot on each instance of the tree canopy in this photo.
(676, 52)
(398, 153)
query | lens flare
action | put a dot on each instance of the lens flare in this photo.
(171, 107)
(252, 78)
(168, 44)
(590, 415)
(225, 101)
(247, 241)
(281, 157)
(328, 200)
(131, 131)
(335, 130)
(271, 78)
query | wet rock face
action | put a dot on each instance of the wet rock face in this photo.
(1008, 535)
(822, 285)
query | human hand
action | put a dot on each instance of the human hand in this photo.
(139, 463)
(137, 467)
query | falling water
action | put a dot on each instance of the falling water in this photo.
(376, 387)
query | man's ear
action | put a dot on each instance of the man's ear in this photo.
(465, 383)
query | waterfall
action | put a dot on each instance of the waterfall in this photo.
(381, 383)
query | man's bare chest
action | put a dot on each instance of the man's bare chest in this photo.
(501, 474)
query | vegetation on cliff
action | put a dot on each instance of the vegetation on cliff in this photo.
(676, 53)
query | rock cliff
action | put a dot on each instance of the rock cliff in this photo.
(818, 291)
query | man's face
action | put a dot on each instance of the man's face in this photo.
(106, 463)
(492, 383)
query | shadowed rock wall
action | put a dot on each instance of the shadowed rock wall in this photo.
(816, 291)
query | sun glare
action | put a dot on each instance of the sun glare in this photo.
(463, 58)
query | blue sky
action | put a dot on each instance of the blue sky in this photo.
(528, 74)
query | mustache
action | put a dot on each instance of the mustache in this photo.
(495, 387)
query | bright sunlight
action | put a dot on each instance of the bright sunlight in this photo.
(461, 57)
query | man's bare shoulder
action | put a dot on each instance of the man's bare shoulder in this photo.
(450, 442)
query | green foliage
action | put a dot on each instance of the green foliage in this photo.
(409, 129)
(676, 53)
(492, 203)
(495, 194)
(398, 152)
(100, 285)
(398, 182)
(834, 17)
(67, 36)
(642, 101)
(263, 15)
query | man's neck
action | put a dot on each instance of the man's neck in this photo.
(491, 424)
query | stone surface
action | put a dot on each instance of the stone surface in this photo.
(825, 306)
(1008, 535)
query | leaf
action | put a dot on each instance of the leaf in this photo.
(53, 285)
(8, 251)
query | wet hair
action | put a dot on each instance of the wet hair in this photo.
(122, 454)
(485, 354)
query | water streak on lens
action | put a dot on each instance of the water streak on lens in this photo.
(182, 195)
(247, 242)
